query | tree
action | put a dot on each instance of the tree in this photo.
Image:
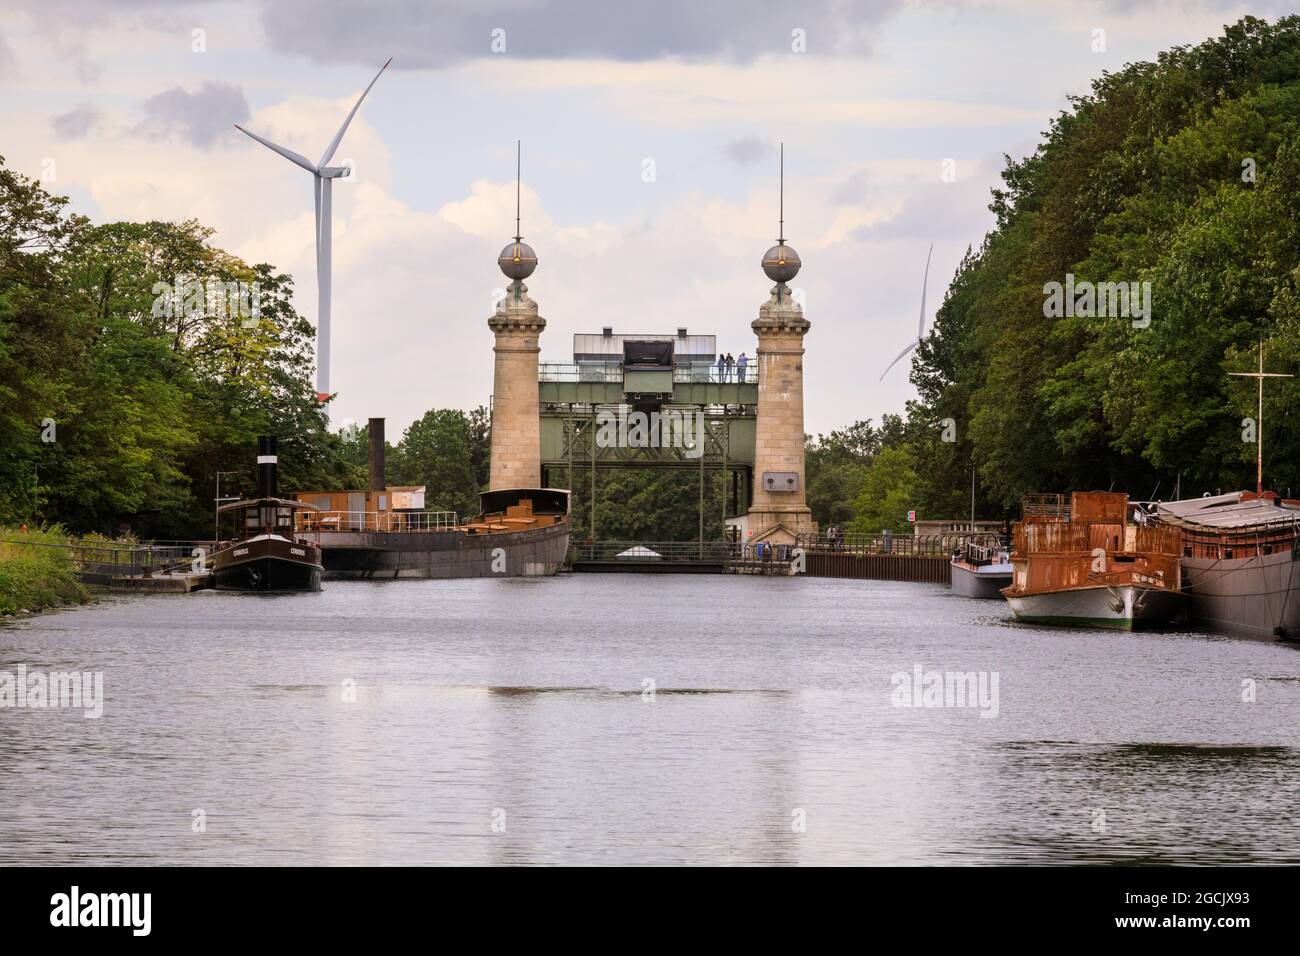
(1180, 173)
(435, 452)
(887, 494)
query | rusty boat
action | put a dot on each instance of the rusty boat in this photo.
(1085, 561)
(1240, 561)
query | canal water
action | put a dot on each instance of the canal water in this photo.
(641, 719)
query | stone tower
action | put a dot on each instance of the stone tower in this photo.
(780, 510)
(516, 422)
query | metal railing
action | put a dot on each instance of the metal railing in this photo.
(690, 374)
(933, 545)
(401, 521)
(609, 373)
(101, 562)
(1048, 507)
(678, 552)
(668, 552)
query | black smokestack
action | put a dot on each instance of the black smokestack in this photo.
(268, 479)
(377, 454)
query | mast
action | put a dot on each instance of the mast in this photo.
(1259, 376)
(518, 166)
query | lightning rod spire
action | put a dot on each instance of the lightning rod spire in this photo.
(781, 237)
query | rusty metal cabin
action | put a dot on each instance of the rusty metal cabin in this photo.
(1059, 543)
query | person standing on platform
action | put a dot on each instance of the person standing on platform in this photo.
(740, 367)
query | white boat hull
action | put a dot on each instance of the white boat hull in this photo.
(1125, 607)
(983, 581)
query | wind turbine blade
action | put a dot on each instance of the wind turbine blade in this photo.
(338, 137)
(895, 361)
(288, 154)
(925, 281)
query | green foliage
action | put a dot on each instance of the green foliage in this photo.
(646, 505)
(437, 451)
(835, 470)
(34, 572)
(147, 399)
(888, 493)
(1145, 179)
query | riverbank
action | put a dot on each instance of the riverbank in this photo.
(33, 577)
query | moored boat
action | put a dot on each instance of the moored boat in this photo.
(981, 570)
(386, 532)
(1240, 557)
(1083, 562)
(520, 532)
(266, 549)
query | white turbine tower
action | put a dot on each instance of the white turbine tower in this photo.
(920, 330)
(324, 182)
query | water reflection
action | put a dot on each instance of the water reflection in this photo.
(724, 721)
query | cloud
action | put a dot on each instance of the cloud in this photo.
(852, 189)
(199, 117)
(489, 211)
(420, 34)
(77, 122)
(747, 150)
(7, 61)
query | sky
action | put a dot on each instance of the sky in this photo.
(650, 137)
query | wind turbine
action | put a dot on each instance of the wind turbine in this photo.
(324, 186)
(920, 329)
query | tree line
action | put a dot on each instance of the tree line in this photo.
(125, 388)
(138, 360)
(1183, 173)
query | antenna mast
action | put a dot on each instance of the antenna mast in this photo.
(518, 166)
(781, 238)
(1259, 420)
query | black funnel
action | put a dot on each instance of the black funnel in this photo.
(377, 454)
(268, 479)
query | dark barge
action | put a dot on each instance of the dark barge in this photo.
(267, 550)
(385, 531)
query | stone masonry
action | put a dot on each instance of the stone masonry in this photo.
(777, 516)
(516, 422)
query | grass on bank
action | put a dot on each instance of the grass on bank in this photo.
(33, 576)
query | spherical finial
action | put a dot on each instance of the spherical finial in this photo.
(781, 263)
(517, 260)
